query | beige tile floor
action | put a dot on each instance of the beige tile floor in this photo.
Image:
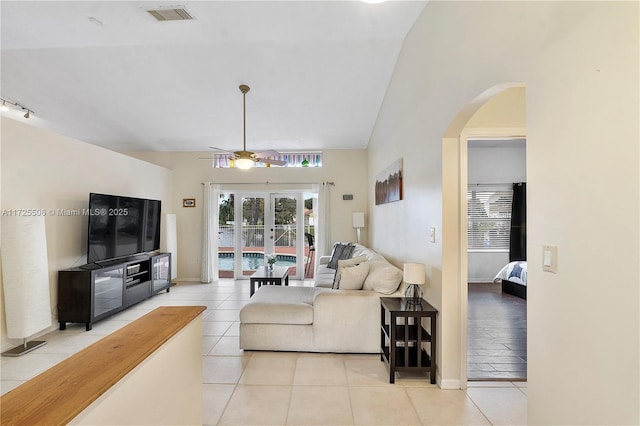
(272, 388)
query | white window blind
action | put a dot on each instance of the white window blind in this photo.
(489, 217)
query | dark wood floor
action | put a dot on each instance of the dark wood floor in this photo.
(497, 334)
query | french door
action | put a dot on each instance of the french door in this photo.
(263, 223)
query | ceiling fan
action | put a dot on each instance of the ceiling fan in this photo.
(246, 159)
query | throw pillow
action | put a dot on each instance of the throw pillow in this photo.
(340, 251)
(383, 276)
(351, 262)
(346, 263)
(352, 277)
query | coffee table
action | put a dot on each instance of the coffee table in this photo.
(263, 276)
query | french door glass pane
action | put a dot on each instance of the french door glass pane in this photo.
(253, 235)
(285, 210)
(226, 236)
(310, 234)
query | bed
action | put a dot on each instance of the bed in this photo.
(514, 278)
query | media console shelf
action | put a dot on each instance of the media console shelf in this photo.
(88, 294)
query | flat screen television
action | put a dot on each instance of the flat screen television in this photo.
(121, 226)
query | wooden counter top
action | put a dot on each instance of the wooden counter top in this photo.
(59, 394)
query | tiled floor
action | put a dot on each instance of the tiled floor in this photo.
(497, 334)
(289, 388)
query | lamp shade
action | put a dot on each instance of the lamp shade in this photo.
(414, 273)
(25, 276)
(358, 219)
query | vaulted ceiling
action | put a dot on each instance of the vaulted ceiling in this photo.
(109, 73)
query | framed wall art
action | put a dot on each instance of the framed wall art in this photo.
(389, 184)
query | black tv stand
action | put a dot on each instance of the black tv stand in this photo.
(91, 266)
(92, 292)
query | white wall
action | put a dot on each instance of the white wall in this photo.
(500, 164)
(44, 170)
(579, 61)
(493, 165)
(347, 168)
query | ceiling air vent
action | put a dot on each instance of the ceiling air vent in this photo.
(170, 14)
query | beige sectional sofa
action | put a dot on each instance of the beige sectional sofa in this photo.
(321, 319)
(383, 277)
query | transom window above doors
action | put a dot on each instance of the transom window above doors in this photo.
(291, 159)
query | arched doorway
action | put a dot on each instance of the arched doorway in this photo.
(454, 194)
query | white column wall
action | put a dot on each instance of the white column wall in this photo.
(579, 62)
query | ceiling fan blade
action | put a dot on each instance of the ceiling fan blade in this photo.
(270, 161)
(268, 153)
(222, 150)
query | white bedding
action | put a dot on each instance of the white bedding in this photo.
(514, 271)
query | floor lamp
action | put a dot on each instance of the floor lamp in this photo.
(171, 243)
(358, 222)
(25, 280)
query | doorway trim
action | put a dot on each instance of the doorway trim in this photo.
(268, 194)
(463, 151)
(454, 261)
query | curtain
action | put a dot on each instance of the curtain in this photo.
(518, 234)
(209, 268)
(323, 242)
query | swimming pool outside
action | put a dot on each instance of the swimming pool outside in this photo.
(252, 261)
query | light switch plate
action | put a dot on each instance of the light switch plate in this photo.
(550, 259)
(432, 234)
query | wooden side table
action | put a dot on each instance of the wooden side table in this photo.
(404, 344)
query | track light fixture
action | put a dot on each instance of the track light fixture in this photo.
(6, 103)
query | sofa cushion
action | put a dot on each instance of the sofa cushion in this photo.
(324, 276)
(345, 263)
(383, 276)
(352, 277)
(351, 262)
(340, 251)
(273, 304)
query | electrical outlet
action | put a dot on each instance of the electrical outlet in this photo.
(432, 234)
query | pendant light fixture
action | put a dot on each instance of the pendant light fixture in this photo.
(243, 159)
(246, 159)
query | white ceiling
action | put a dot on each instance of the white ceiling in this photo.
(108, 73)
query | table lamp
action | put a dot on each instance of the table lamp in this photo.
(414, 276)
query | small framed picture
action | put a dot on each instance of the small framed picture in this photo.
(188, 202)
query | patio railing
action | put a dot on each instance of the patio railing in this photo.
(254, 235)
